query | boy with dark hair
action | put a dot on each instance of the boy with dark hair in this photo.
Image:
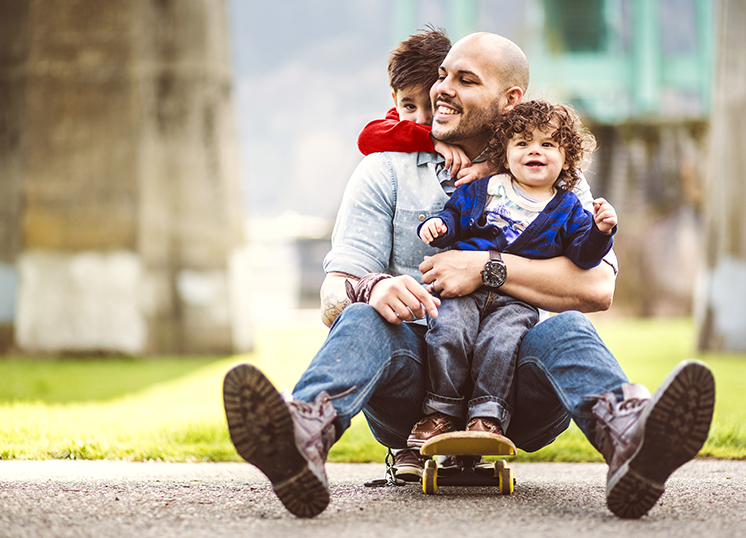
(413, 69)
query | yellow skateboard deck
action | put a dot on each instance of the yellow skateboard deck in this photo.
(468, 444)
(470, 469)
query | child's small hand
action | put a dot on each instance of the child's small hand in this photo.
(455, 157)
(432, 229)
(604, 214)
(474, 172)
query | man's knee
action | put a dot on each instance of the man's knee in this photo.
(557, 334)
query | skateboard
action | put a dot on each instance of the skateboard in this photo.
(470, 470)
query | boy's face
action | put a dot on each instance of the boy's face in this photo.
(413, 104)
(535, 159)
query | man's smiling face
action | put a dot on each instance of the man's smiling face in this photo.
(466, 97)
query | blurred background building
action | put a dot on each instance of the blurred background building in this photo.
(170, 169)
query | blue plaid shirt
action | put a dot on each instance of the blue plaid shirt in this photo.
(563, 228)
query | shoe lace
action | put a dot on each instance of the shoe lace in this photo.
(624, 405)
(437, 419)
(317, 407)
(490, 423)
(632, 403)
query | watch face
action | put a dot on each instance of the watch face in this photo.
(494, 274)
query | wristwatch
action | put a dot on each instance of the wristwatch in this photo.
(494, 272)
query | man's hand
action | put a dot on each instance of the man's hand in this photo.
(402, 298)
(432, 229)
(455, 157)
(474, 172)
(605, 215)
(454, 273)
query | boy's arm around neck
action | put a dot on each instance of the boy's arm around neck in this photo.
(391, 134)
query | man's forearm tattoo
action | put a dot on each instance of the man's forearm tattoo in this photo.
(333, 306)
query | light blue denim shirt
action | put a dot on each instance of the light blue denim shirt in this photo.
(387, 197)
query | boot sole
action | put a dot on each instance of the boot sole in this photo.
(262, 430)
(677, 423)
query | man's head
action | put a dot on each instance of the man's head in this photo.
(413, 68)
(482, 76)
(558, 122)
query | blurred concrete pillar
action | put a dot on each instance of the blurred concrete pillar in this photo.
(119, 204)
(721, 299)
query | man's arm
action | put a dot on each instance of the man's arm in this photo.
(554, 284)
(333, 297)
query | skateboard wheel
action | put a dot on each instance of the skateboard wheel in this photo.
(506, 481)
(499, 466)
(430, 477)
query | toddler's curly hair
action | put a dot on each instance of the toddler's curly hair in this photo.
(560, 120)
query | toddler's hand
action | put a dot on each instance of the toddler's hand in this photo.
(474, 172)
(604, 214)
(432, 229)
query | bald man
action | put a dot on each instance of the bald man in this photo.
(377, 293)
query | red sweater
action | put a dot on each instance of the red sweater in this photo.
(392, 134)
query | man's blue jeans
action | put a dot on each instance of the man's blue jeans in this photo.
(561, 360)
(472, 350)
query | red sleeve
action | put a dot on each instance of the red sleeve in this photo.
(391, 134)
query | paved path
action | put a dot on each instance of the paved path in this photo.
(101, 499)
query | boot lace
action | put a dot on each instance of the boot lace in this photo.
(317, 407)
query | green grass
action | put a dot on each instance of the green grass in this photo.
(170, 409)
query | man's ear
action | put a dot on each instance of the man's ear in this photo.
(513, 96)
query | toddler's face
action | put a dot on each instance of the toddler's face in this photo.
(535, 159)
(413, 104)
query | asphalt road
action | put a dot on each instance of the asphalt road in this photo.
(104, 498)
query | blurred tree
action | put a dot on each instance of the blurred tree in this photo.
(721, 301)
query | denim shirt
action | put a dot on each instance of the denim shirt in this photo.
(387, 197)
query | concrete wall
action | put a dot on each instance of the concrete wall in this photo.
(122, 196)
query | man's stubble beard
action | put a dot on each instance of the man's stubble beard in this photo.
(470, 125)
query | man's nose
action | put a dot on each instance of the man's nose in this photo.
(444, 86)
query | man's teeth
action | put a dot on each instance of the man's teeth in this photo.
(446, 110)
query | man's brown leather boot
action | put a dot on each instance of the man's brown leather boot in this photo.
(287, 441)
(644, 439)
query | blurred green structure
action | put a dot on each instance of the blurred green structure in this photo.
(621, 60)
(615, 60)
